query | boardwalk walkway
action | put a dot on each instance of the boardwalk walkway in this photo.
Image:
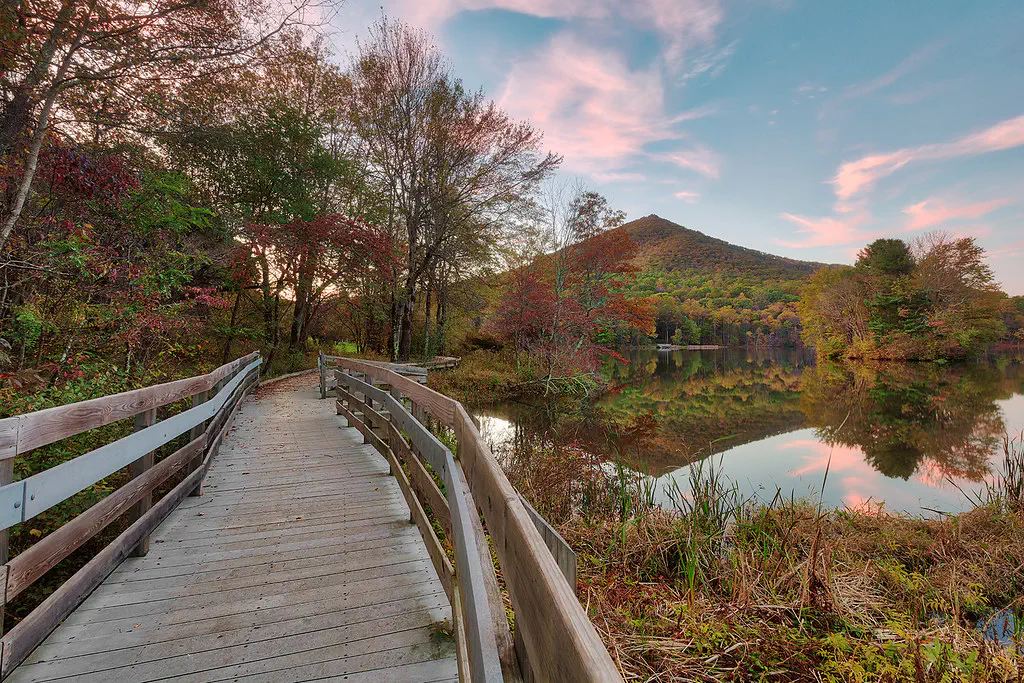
(297, 563)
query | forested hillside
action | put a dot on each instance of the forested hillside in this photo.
(707, 291)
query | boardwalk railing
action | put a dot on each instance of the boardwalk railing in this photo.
(214, 399)
(554, 638)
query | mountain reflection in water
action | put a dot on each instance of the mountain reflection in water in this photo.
(916, 437)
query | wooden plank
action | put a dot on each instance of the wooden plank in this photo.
(557, 632)
(426, 444)
(138, 468)
(482, 641)
(8, 450)
(53, 424)
(559, 548)
(499, 619)
(438, 405)
(44, 555)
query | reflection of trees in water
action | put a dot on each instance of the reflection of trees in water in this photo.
(700, 398)
(665, 411)
(900, 414)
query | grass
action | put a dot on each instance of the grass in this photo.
(485, 376)
(725, 589)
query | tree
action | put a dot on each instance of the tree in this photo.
(84, 59)
(938, 301)
(566, 303)
(889, 257)
(455, 163)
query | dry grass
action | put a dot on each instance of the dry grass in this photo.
(726, 590)
(793, 596)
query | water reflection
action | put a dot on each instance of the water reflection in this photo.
(912, 436)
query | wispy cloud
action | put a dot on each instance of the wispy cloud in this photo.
(619, 177)
(682, 25)
(600, 113)
(1011, 251)
(592, 107)
(937, 212)
(861, 174)
(698, 158)
(827, 231)
(907, 66)
(688, 197)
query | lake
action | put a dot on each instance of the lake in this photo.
(917, 438)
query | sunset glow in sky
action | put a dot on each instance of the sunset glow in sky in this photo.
(796, 127)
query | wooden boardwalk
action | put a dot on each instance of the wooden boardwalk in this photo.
(297, 563)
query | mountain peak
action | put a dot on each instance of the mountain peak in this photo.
(669, 246)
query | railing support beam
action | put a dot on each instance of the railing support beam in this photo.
(138, 468)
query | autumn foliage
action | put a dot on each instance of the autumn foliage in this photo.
(567, 310)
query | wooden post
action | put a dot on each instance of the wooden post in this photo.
(9, 433)
(321, 365)
(201, 397)
(142, 420)
(8, 451)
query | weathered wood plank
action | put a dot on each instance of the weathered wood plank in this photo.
(555, 628)
(49, 487)
(20, 640)
(422, 483)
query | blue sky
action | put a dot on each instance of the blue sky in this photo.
(800, 128)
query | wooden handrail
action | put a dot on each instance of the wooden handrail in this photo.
(29, 497)
(560, 642)
(23, 499)
(23, 433)
(482, 643)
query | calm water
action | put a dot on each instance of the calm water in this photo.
(918, 438)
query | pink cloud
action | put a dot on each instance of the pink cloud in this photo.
(682, 24)
(936, 212)
(590, 105)
(1011, 251)
(688, 197)
(701, 159)
(856, 176)
(597, 111)
(827, 231)
(619, 177)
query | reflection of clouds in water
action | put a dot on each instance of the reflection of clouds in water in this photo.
(913, 429)
(796, 462)
(817, 457)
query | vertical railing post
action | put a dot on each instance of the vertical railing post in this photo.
(337, 386)
(146, 418)
(8, 451)
(197, 399)
(321, 364)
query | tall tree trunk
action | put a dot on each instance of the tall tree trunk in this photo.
(16, 113)
(32, 161)
(426, 323)
(442, 315)
(405, 339)
(226, 356)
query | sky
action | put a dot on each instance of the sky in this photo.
(797, 127)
